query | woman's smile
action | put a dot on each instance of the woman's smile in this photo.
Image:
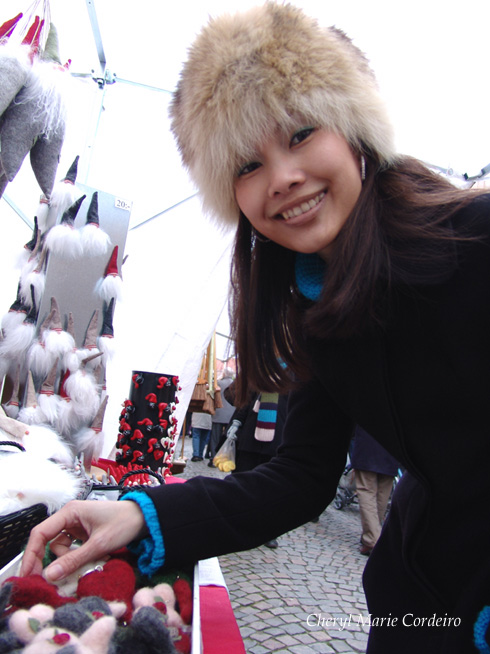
(302, 208)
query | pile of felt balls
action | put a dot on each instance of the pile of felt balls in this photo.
(112, 611)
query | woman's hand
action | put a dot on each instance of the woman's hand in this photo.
(103, 527)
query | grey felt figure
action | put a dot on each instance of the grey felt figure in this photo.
(45, 156)
(13, 74)
(9, 642)
(80, 616)
(73, 617)
(146, 634)
(22, 125)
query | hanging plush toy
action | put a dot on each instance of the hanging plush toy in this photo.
(106, 337)
(12, 407)
(19, 338)
(73, 358)
(32, 106)
(16, 314)
(30, 412)
(110, 286)
(58, 342)
(64, 239)
(48, 400)
(90, 440)
(89, 347)
(63, 196)
(39, 359)
(95, 241)
(33, 276)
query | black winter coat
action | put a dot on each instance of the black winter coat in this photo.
(421, 387)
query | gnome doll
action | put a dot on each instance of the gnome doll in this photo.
(64, 239)
(30, 412)
(62, 198)
(95, 241)
(90, 343)
(39, 358)
(57, 341)
(48, 400)
(84, 391)
(106, 336)
(72, 358)
(33, 274)
(16, 314)
(110, 286)
(12, 407)
(19, 338)
(31, 248)
(90, 440)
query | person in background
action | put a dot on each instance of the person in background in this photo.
(360, 286)
(222, 416)
(375, 471)
(201, 425)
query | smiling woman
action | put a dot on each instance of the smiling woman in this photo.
(283, 130)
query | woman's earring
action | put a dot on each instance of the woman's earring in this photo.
(363, 168)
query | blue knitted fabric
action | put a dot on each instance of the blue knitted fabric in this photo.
(480, 629)
(310, 272)
(150, 550)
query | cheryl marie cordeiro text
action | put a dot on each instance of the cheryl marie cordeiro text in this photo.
(408, 620)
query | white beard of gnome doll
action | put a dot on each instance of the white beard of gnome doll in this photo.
(146, 422)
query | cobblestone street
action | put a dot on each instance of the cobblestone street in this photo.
(297, 599)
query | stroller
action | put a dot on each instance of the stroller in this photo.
(346, 489)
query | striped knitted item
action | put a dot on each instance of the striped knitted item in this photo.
(266, 420)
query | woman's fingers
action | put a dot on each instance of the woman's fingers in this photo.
(39, 538)
(103, 527)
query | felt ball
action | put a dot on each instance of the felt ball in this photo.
(115, 582)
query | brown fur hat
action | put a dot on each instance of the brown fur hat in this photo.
(270, 66)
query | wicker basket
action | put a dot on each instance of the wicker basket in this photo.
(15, 529)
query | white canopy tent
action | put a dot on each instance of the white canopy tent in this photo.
(431, 62)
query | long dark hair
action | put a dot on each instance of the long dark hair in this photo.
(399, 232)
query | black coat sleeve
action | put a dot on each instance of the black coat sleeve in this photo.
(207, 517)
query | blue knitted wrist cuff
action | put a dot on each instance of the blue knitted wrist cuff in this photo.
(480, 629)
(150, 550)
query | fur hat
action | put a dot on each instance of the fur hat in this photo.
(270, 66)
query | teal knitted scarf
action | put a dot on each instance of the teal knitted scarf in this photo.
(309, 271)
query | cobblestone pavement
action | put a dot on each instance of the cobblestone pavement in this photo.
(305, 596)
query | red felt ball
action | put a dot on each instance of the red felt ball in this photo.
(114, 583)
